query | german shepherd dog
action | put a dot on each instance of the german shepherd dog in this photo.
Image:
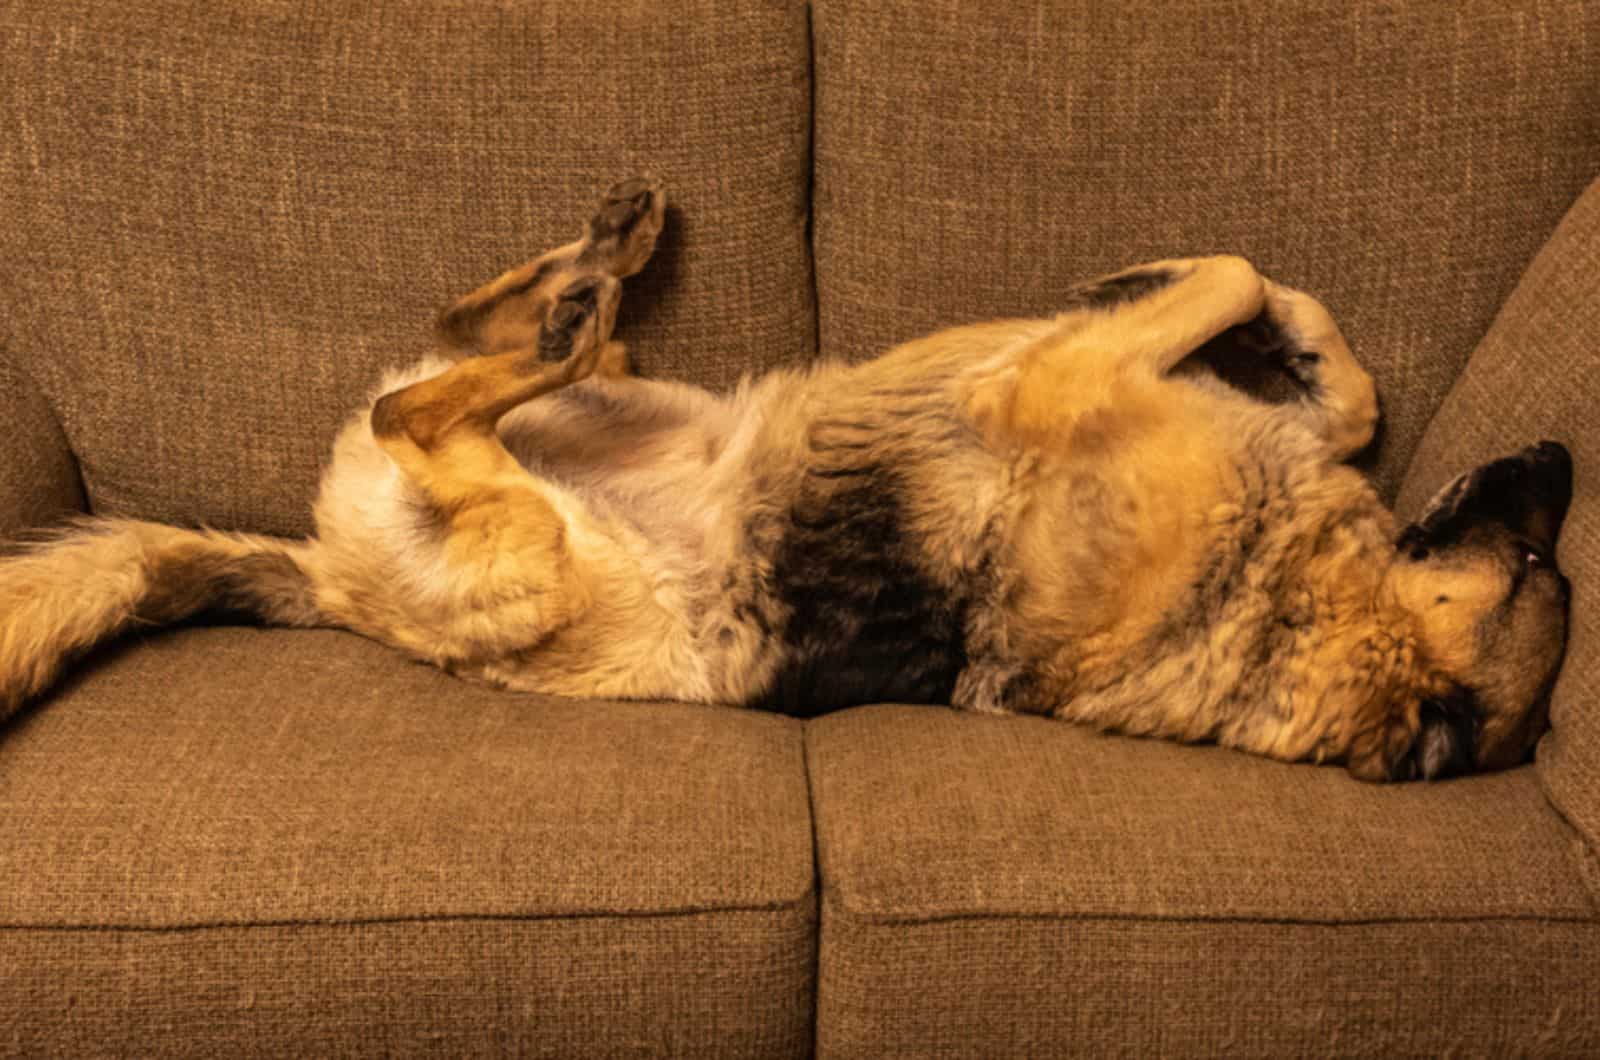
(1058, 516)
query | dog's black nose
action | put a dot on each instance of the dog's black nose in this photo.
(1546, 489)
(1553, 459)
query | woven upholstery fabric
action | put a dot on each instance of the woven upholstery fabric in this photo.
(930, 812)
(1104, 987)
(1535, 376)
(1038, 887)
(221, 224)
(241, 776)
(1401, 161)
(38, 480)
(366, 824)
(726, 984)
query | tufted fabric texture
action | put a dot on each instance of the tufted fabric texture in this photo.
(1401, 161)
(1534, 377)
(223, 223)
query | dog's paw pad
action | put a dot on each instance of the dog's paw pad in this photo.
(622, 233)
(1305, 366)
(563, 326)
(638, 193)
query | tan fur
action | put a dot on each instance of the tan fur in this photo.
(1079, 527)
(68, 593)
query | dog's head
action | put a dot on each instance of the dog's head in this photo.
(1478, 572)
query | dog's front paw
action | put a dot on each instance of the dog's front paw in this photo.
(1304, 329)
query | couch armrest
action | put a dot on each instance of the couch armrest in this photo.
(39, 482)
(1535, 375)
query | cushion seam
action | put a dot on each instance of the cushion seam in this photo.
(806, 904)
(31, 387)
(834, 908)
(818, 894)
(1585, 860)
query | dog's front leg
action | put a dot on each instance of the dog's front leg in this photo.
(1295, 334)
(1138, 323)
(1341, 400)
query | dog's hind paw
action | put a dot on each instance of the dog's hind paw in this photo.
(622, 234)
(580, 321)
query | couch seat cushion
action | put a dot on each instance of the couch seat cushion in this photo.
(317, 828)
(1052, 885)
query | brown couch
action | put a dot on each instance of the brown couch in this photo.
(220, 222)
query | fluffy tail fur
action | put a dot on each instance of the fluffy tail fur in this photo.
(61, 598)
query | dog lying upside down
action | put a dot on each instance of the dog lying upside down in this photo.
(1052, 516)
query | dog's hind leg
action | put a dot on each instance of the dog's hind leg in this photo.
(509, 561)
(463, 404)
(506, 313)
(540, 326)
(501, 543)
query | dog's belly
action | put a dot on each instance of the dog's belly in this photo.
(851, 615)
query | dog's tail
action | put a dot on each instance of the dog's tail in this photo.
(106, 576)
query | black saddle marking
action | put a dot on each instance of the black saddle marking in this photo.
(864, 623)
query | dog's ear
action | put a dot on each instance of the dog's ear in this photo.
(1446, 739)
(1423, 738)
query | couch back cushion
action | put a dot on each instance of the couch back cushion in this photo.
(223, 222)
(1537, 375)
(1401, 161)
